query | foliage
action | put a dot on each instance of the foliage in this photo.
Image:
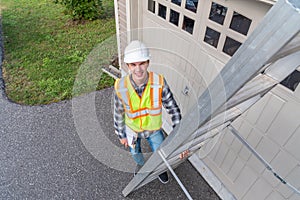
(82, 9)
(44, 51)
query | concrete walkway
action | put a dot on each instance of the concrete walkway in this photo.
(64, 151)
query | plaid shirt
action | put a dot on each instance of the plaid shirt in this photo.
(168, 102)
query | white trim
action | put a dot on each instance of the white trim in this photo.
(128, 20)
(211, 178)
(270, 2)
(118, 37)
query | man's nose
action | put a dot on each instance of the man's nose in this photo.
(138, 67)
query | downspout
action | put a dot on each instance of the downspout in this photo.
(118, 36)
(128, 21)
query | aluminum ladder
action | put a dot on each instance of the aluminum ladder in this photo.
(266, 58)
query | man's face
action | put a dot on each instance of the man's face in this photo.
(139, 71)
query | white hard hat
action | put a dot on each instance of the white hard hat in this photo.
(136, 51)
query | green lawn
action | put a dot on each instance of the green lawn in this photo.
(45, 50)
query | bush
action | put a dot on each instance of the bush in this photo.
(82, 9)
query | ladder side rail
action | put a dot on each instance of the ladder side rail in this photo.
(257, 50)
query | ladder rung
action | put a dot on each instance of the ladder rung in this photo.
(259, 85)
(283, 67)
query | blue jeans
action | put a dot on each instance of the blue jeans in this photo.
(154, 140)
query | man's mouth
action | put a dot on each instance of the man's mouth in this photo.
(139, 74)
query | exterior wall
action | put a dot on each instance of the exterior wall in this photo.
(271, 126)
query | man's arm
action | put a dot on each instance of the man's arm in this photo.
(119, 119)
(170, 104)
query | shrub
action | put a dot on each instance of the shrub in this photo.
(82, 9)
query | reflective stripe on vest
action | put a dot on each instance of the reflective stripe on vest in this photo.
(145, 112)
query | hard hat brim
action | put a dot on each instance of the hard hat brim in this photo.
(133, 60)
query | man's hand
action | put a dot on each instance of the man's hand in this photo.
(124, 142)
(184, 154)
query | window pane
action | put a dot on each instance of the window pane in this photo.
(292, 80)
(174, 17)
(217, 13)
(177, 2)
(231, 46)
(162, 11)
(211, 37)
(191, 5)
(151, 6)
(240, 23)
(188, 24)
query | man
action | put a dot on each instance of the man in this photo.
(139, 98)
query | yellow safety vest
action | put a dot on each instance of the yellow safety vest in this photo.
(145, 112)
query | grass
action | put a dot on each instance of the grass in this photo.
(45, 49)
